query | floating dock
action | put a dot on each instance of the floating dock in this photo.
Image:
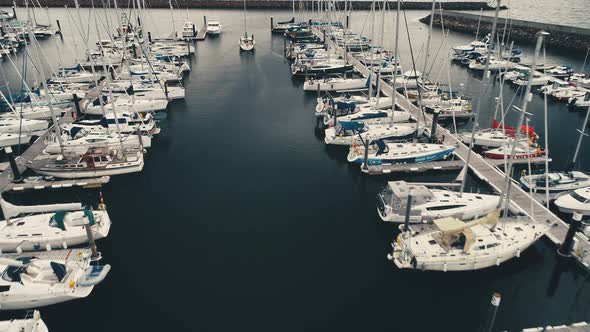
(202, 33)
(485, 169)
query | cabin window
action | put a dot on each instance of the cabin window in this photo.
(444, 207)
(4, 288)
(492, 245)
(20, 223)
(518, 229)
(432, 242)
(478, 197)
(103, 158)
(578, 197)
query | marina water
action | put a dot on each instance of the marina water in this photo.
(243, 219)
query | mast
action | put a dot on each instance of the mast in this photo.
(427, 51)
(44, 84)
(171, 14)
(396, 61)
(486, 75)
(526, 98)
(582, 134)
(245, 21)
(371, 50)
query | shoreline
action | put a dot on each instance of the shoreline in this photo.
(270, 4)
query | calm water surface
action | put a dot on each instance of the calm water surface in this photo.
(243, 219)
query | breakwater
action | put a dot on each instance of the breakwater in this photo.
(567, 37)
(269, 4)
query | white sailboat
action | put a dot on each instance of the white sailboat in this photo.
(577, 201)
(346, 133)
(429, 204)
(246, 42)
(455, 245)
(32, 281)
(47, 227)
(382, 153)
(85, 139)
(32, 322)
(330, 84)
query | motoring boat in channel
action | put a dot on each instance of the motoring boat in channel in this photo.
(246, 42)
(32, 281)
(399, 153)
(213, 26)
(455, 245)
(429, 204)
(47, 227)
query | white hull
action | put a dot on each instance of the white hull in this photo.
(334, 84)
(89, 173)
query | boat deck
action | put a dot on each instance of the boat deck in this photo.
(576, 327)
(483, 168)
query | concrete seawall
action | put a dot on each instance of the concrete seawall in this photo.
(266, 4)
(567, 37)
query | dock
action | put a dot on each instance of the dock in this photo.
(202, 33)
(485, 169)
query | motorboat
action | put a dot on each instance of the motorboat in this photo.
(189, 31)
(577, 201)
(31, 281)
(213, 26)
(381, 153)
(429, 204)
(555, 182)
(561, 72)
(455, 245)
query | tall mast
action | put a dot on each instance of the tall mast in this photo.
(427, 51)
(486, 75)
(245, 21)
(526, 98)
(396, 60)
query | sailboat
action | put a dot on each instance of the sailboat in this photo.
(246, 42)
(47, 227)
(461, 246)
(399, 153)
(32, 322)
(32, 281)
(346, 133)
(429, 204)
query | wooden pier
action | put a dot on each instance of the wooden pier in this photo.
(483, 168)
(202, 33)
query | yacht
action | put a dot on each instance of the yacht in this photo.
(31, 281)
(381, 153)
(455, 245)
(188, 32)
(429, 204)
(555, 182)
(213, 26)
(576, 201)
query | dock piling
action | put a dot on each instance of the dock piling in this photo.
(434, 125)
(491, 317)
(16, 176)
(271, 23)
(77, 105)
(348, 21)
(91, 242)
(567, 247)
(149, 37)
(205, 20)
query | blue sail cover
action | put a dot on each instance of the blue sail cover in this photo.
(352, 125)
(342, 105)
(382, 147)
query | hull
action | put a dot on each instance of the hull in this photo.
(406, 160)
(335, 85)
(89, 173)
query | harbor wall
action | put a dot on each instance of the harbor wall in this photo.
(267, 4)
(567, 37)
